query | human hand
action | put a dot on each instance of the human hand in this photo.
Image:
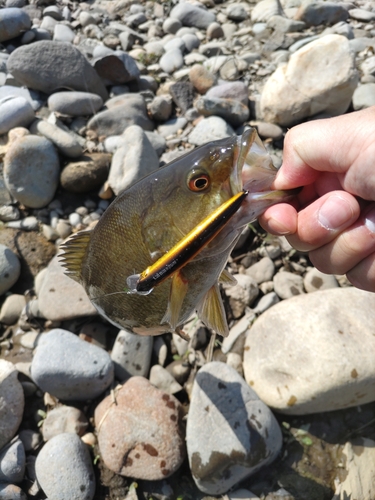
(334, 220)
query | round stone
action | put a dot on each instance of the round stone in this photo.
(10, 268)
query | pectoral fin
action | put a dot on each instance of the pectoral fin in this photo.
(212, 311)
(179, 288)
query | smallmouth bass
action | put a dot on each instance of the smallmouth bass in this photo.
(148, 219)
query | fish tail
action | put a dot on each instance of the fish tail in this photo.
(73, 253)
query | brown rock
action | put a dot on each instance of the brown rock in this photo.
(88, 173)
(140, 433)
(201, 78)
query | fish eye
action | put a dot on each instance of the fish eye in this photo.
(199, 182)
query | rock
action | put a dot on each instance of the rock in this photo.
(27, 224)
(12, 308)
(325, 364)
(236, 12)
(265, 9)
(222, 404)
(50, 65)
(268, 300)
(210, 129)
(288, 284)
(243, 294)
(171, 25)
(268, 130)
(172, 126)
(295, 91)
(175, 43)
(30, 439)
(192, 15)
(70, 368)
(13, 22)
(191, 41)
(10, 269)
(16, 112)
(12, 402)
(9, 213)
(364, 96)
(171, 61)
(124, 110)
(12, 463)
(63, 33)
(64, 419)
(66, 143)
(182, 94)
(131, 355)
(31, 170)
(75, 103)
(231, 110)
(141, 435)
(262, 271)
(242, 494)
(70, 296)
(237, 330)
(368, 66)
(87, 173)
(157, 141)
(285, 25)
(64, 470)
(11, 492)
(230, 90)
(164, 380)
(132, 161)
(359, 468)
(161, 108)
(316, 12)
(117, 67)
(315, 280)
(201, 78)
(363, 15)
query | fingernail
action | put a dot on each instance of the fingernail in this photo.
(370, 220)
(335, 212)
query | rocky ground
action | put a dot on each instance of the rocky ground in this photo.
(93, 96)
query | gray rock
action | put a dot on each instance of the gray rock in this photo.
(64, 470)
(231, 110)
(171, 25)
(285, 25)
(223, 404)
(12, 463)
(236, 12)
(325, 364)
(31, 170)
(230, 90)
(161, 108)
(265, 9)
(361, 43)
(27, 224)
(64, 419)
(70, 296)
(131, 355)
(50, 65)
(70, 368)
(183, 95)
(363, 15)
(172, 126)
(11, 492)
(262, 271)
(268, 130)
(12, 308)
(13, 21)
(133, 161)
(238, 329)
(10, 268)
(364, 96)
(214, 30)
(301, 43)
(16, 112)
(315, 280)
(123, 111)
(267, 301)
(175, 43)
(171, 61)
(7, 91)
(53, 11)
(191, 41)
(163, 380)
(341, 28)
(210, 129)
(86, 174)
(12, 402)
(65, 142)
(368, 66)
(116, 67)
(62, 33)
(316, 12)
(243, 294)
(75, 103)
(192, 15)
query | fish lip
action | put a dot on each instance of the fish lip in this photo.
(235, 180)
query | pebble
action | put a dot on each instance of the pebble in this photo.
(230, 90)
(192, 15)
(287, 284)
(16, 112)
(51, 65)
(140, 436)
(63, 33)
(210, 129)
(316, 13)
(265, 9)
(10, 268)
(261, 271)
(364, 96)
(12, 463)
(70, 368)
(116, 67)
(172, 60)
(30, 439)
(27, 224)
(268, 300)
(75, 103)
(131, 355)
(86, 174)
(327, 364)
(201, 78)
(57, 288)
(13, 21)
(65, 142)
(171, 25)
(13, 401)
(231, 110)
(161, 108)
(64, 419)
(132, 161)
(9, 213)
(64, 469)
(164, 380)
(31, 170)
(11, 309)
(268, 130)
(315, 280)
(11, 492)
(363, 15)
(250, 437)
(243, 294)
(172, 126)
(123, 111)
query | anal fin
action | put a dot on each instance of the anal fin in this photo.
(179, 288)
(212, 312)
(227, 278)
(73, 252)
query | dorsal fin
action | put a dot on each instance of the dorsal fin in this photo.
(73, 252)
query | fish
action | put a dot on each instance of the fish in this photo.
(151, 220)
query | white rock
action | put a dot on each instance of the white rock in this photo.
(237, 330)
(265, 9)
(262, 271)
(319, 77)
(131, 355)
(314, 352)
(163, 380)
(315, 280)
(12, 308)
(210, 129)
(10, 268)
(245, 291)
(287, 284)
